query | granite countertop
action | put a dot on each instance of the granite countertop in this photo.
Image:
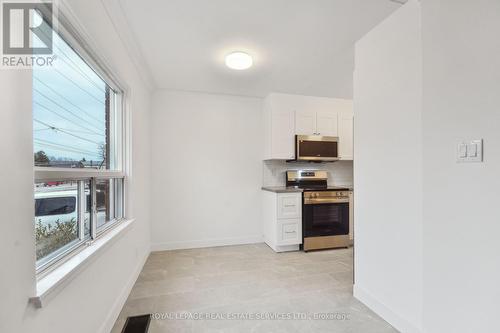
(284, 189)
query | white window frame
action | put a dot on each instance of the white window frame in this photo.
(75, 40)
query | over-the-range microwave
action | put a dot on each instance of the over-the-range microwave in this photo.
(316, 148)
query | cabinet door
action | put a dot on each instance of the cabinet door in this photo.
(283, 134)
(346, 136)
(289, 232)
(305, 122)
(289, 205)
(327, 123)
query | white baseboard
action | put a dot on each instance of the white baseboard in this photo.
(117, 306)
(194, 244)
(385, 312)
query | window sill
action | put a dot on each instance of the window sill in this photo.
(57, 279)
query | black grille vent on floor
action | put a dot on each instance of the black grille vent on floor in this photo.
(137, 324)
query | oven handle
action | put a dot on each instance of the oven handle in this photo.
(315, 201)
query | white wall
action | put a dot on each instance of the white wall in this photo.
(388, 169)
(461, 216)
(206, 170)
(91, 301)
(17, 249)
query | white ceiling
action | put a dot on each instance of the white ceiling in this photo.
(299, 46)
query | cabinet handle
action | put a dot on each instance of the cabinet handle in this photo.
(289, 205)
(290, 232)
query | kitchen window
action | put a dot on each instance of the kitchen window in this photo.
(79, 152)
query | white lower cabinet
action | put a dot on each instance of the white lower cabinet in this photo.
(289, 205)
(282, 220)
(289, 232)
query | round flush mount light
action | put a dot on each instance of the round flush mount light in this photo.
(239, 60)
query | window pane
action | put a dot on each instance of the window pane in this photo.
(109, 200)
(55, 206)
(73, 121)
(87, 210)
(56, 217)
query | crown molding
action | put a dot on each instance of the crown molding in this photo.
(73, 20)
(116, 14)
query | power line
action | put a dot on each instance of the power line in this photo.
(65, 132)
(75, 67)
(42, 141)
(61, 149)
(79, 131)
(62, 107)
(66, 99)
(79, 71)
(66, 129)
(63, 117)
(75, 151)
(76, 85)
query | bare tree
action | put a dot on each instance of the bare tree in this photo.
(102, 153)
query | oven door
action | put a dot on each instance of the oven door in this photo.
(316, 148)
(325, 218)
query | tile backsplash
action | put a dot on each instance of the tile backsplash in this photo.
(340, 173)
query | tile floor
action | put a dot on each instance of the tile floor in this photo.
(249, 280)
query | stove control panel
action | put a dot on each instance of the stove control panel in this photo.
(326, 194)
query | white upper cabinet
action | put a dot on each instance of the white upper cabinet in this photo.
(327, 123)
(316, 116)
(288, 115)
(283, 124)
(305, 122)
(346, 134)
(313, 122)
(279, 129)
(346, 129)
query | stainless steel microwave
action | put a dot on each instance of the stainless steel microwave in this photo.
(316, 148)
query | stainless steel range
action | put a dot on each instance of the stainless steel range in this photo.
(325, 210)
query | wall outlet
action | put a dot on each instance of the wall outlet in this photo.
(470, 151)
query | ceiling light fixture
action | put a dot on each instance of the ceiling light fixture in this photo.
(239, 60)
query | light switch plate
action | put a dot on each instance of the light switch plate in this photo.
(462, 150)
(475, 154)
(470, 151)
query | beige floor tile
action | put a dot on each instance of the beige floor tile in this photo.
(250, 280)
